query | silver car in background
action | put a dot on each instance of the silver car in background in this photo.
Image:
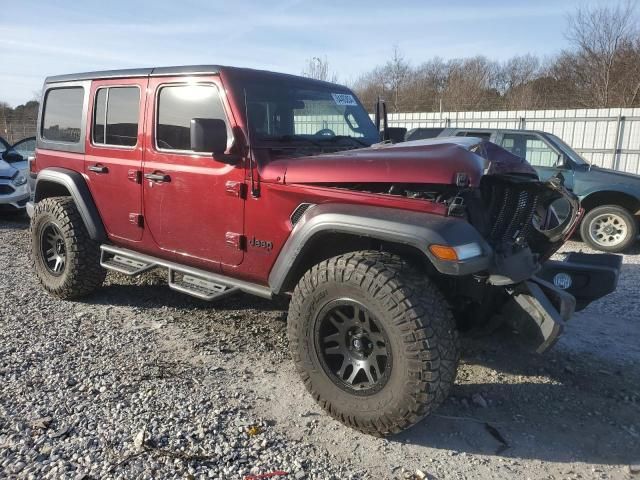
(14, 175)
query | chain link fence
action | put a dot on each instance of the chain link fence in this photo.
(15, 127)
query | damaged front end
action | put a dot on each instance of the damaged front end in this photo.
(526, 221)
(518, 222)
(516, 215)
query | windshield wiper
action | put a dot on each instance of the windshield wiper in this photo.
(346, 137)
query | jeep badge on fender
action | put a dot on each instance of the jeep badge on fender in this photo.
(254, 242)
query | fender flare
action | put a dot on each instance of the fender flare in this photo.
(77, 187)
(415, 229)
(615, 188)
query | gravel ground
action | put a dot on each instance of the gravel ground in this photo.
(138, 381)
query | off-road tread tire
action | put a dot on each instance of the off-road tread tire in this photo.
(420, 312)
(632, 225)
(83, 273)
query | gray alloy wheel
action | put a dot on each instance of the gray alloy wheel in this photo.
(353, 347)
(53, 249)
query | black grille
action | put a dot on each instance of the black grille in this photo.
(6, 189)
(298, 212)
(511, 214)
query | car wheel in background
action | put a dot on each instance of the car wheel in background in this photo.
(609, 228)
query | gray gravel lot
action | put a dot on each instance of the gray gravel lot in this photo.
(138, 381)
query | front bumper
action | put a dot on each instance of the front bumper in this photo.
(587, 277)
(15, 197)
(540, 306)
(30, 208)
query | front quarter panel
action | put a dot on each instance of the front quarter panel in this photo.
(415, 229)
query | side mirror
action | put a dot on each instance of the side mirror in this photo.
(208, 135)
(561, 161)
(396, 134)
(381, 116)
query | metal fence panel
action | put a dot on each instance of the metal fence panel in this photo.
(607, 137)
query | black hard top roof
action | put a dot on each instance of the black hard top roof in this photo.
(175, 71)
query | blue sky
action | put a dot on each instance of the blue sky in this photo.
(53, 37)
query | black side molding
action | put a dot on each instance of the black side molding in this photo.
(77, 187)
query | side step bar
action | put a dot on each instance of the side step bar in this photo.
(192, 281)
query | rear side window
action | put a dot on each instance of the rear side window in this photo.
(177, 105)
(115, 118)
(482, 135)
(62, 117)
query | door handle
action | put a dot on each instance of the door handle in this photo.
(99, 169)
(157, 177)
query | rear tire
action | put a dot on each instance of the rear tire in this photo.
(373, 302)
(64, 257)
(609, 228)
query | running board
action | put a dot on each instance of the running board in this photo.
(192, 281)
(199, 287)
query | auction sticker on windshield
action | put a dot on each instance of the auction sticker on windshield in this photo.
(344, 99)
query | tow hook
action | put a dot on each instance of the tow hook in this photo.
(539, 310)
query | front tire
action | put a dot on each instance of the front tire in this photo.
(66, 260)
(609, 228)
(373, 340)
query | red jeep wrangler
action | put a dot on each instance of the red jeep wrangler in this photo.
(237, 180)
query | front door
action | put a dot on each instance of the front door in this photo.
(193, 203)
(113, 160)
(542, 156)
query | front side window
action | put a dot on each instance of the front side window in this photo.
(115, 119)
(530, 147)
(62, 118)
(567, 150)
(177, 106)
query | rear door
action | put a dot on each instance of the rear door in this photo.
(193, 202)
(114, 148)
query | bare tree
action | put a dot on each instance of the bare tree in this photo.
(396, 71)
(601, 69)
(318, 68)
(599, 35)
(370, 86)
(472, 84)
(516, 81)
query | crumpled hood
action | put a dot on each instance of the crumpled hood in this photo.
(433, 161)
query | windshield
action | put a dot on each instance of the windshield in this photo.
(26, 147)
(314, 114)
(571, 153)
